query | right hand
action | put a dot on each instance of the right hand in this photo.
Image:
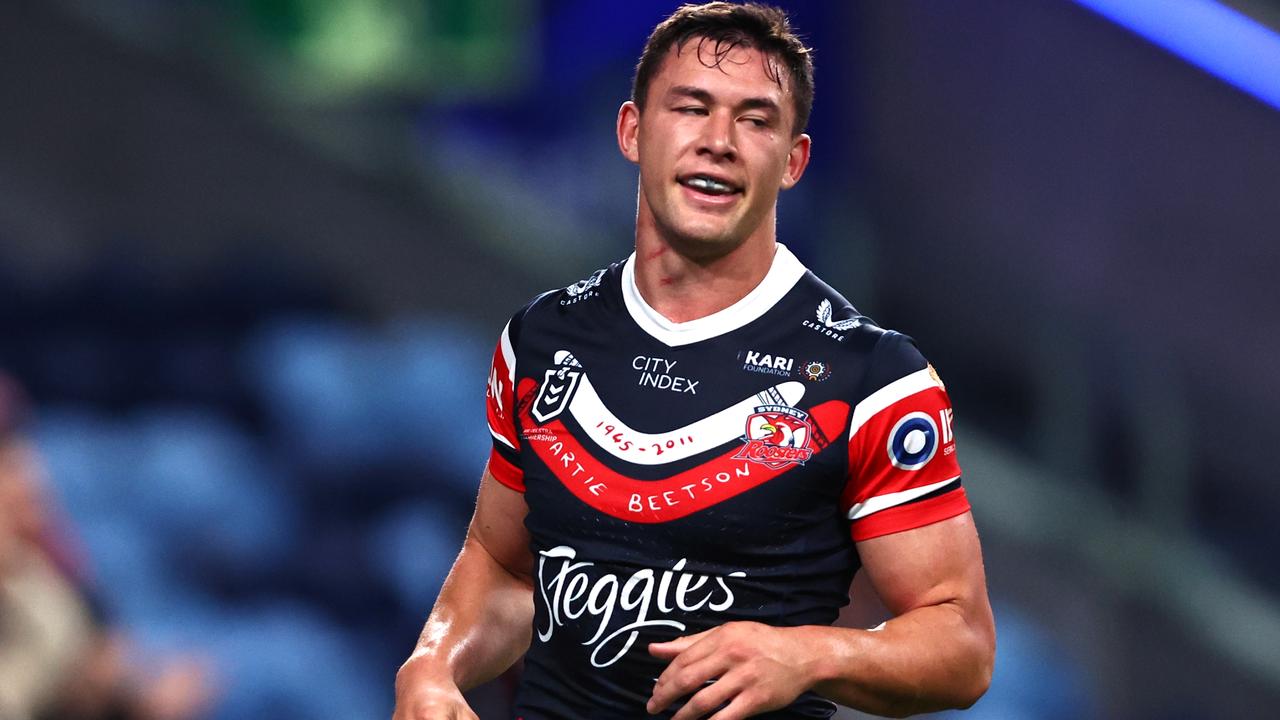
(426, 698)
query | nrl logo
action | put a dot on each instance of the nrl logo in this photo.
(777, 436)
(557, 387)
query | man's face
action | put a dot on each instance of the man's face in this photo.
(715, 146)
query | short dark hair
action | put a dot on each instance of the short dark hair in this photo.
(727, 26)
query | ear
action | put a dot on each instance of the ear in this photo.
(629, 131)
(797, 161)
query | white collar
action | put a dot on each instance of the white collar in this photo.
(783, 274)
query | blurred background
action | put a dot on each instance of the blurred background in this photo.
(255, 254)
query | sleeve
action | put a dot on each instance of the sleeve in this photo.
(903, 472)
(500, 401)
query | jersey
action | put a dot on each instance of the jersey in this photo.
(684, 475)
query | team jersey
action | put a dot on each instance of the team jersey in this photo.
(684, 475)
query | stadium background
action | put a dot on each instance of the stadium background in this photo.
(254, 255)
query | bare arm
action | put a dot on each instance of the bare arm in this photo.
(936, 653)
(482, 620)
(939, 649)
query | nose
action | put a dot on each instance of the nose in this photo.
(718, 138)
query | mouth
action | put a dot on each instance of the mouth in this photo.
(709, 184)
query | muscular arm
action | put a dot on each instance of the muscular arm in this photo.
(481, 621)
(936, 653)
(938, 650)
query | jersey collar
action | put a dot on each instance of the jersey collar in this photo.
(783, 274)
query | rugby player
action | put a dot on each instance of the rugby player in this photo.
(696, 448)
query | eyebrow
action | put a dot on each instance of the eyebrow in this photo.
(701, 95)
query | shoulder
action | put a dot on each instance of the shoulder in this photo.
(885, 355)
(559, 305)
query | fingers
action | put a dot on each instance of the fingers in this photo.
(672, 648)
(738, 693)
(693, 669)
(715, 695)
(730, 672)
(742, 706)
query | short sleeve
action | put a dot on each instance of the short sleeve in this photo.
(903, 471)
(504, 458)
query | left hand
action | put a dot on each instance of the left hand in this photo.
(752, 667)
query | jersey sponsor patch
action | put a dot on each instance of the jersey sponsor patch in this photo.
(768, 363)
(815, 371)
(933, 375)
(901, 447)
(656, 372)
(913, 441)
(576, 592)
(828, 326)
(584, 289)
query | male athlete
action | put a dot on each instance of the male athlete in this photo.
(695, 449)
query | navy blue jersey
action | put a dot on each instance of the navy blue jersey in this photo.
(684, 475)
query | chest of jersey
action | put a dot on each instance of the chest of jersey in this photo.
(730, 445)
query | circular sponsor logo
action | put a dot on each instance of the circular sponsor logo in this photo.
(913, 441)
(815, 371)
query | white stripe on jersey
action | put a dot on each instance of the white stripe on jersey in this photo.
(509, 356)
(508, 359)
(888, 395)
(499, 437)
(888, 500)
(706, 434)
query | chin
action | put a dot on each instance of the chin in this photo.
(704, 243)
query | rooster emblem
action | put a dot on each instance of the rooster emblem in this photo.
(777, 436)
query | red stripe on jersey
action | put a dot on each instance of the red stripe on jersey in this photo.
(504, 472)
(500, 401)
(906, 445)
(911, 515)
(657, 501)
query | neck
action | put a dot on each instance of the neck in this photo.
(684, 288)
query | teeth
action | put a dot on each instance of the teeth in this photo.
(707, 184)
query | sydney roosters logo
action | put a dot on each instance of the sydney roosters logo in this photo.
(777, 436)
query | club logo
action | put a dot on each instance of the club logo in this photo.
(557, 387)
(777, 436)
(815, 371)
(829, 327)
(913, 441)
